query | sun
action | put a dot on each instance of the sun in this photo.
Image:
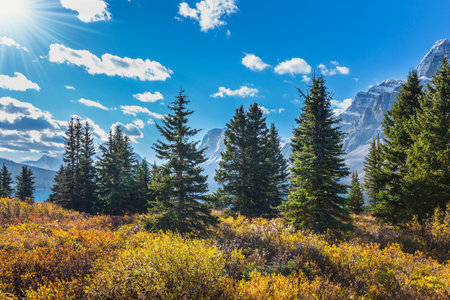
(12, 11)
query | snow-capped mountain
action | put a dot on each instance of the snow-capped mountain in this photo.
(361, 121)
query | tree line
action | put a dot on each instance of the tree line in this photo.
(406, 172)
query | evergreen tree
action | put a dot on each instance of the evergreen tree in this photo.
(428, 164)
(115, 170)
(181, 187)
(315, 199)
(252, 171)
(87, 193)
(397, 141)
(6, 188)
(355, 199)
(372, 168)
(233, 170)
(25, 185)
(278, 169)
(144, 195)
(75, 186)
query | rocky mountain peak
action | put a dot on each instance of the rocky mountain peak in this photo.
(432, 60)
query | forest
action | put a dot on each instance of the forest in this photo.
(116, 228)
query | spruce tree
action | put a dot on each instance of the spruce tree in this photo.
(5, 182)
(396, 143)
(428, 165)
(144, 195)
(181, 188)
(75, 186)
(278, 169)
(86, 181)
(233, 172)
(372, 168)
(252, 171)
(315, 199)
(25, 185)
(115, 170)
(355, 199)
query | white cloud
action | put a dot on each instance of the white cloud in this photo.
(336, 70)
(91, 103)
(139, 123)
(243, 92)
(69, 87)
(306, 78)
(267, 111)
(136, 109)
(254, 63)
(6, 41)
(150, 122)
(149, 97)
(293, 66)
(17, 83)
(131, 130)
(111, 65)
(88, 10)
(208, 13)
(340, 106)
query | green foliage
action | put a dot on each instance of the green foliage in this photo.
(428, 163)
(179, 184)
(6, 188)
(252, 171)
(394, 205)
(25, 185)
(115, 169)
(355, 199)
(315, 200)
(75, 182)
(372, 167)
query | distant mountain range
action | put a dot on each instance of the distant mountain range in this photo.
(44, 178)
(361, 121)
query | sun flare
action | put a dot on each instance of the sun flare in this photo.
(11, 10)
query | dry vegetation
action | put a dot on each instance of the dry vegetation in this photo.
(50, 253)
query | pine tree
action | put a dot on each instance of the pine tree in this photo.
(25, 185)
(252, 171)
(428, 164)
(355, 199)
(233, 170)
(396, 143)
(278, 169)
(144, 195)
(86, 181)
(75, 186)
(115, 170)
(182, 187)
(5, 182)
(372, 168)
(315, 199)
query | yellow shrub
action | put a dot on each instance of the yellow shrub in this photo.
(161, 266)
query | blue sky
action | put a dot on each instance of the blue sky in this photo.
(97, 58)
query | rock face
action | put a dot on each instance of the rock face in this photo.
(362, 120)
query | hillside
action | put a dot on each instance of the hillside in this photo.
(43, 177)
(50, 253)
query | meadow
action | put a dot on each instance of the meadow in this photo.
(47, 252)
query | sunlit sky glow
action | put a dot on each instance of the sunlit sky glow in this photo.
(120, 62)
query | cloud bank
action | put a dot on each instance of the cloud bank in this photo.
(243, 92)
(110, 65)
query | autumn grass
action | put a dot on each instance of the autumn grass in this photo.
(50, 253)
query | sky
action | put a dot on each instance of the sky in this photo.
(121, 62)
